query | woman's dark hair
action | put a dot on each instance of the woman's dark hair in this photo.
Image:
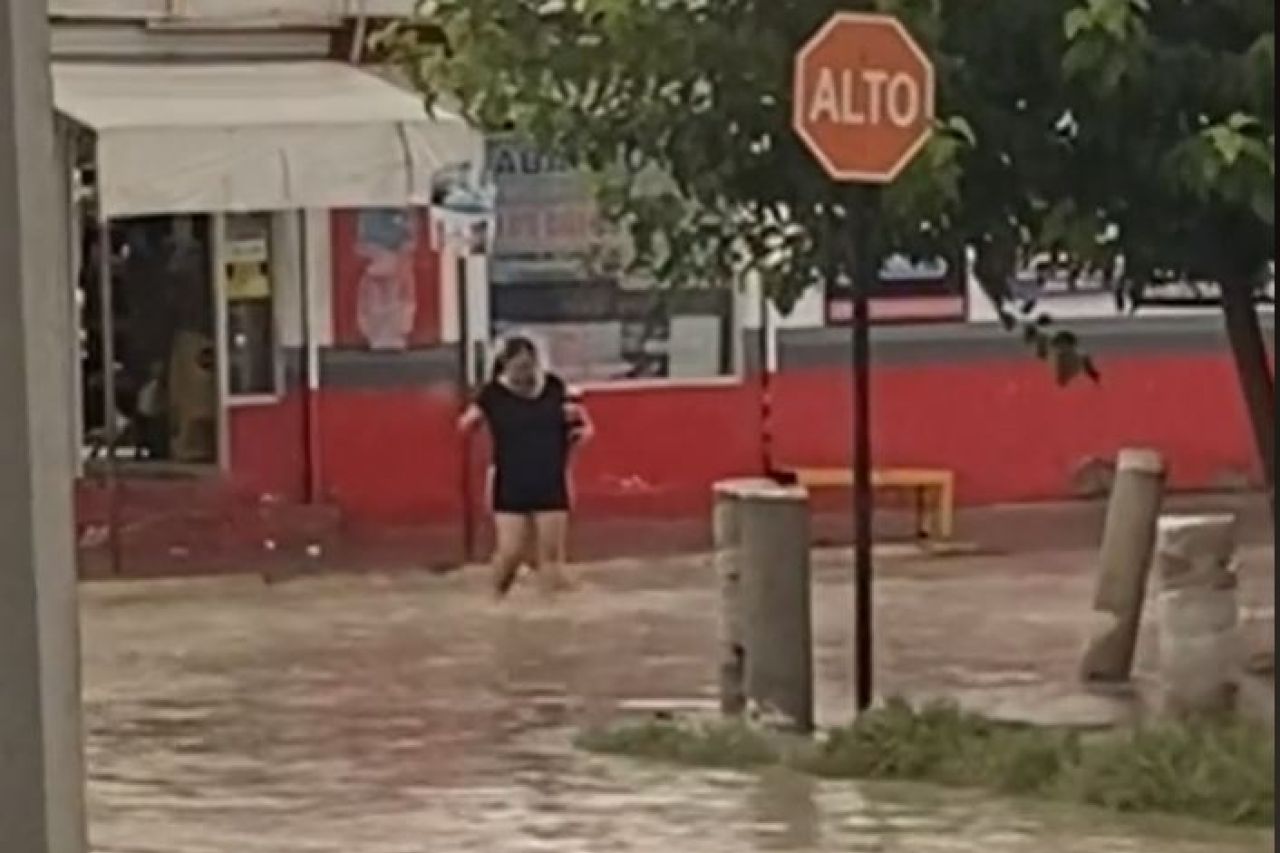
(512, 348)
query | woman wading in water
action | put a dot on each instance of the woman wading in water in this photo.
(535, 422)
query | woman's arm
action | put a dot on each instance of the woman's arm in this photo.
(470, 419)
(581, 427)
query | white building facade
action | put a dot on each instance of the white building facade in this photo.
(214, 141)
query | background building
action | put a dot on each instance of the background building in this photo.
(292, 343)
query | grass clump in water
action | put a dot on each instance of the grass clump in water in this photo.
(943, 745)
(1220, 771)
(729, 744)
(898, 743)
(1217, 770)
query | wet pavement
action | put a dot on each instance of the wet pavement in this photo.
(408, 714)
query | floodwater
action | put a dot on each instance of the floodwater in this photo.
(409, 715)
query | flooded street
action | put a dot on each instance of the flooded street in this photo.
(407, 714)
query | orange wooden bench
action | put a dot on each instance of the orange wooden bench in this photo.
(933, 489)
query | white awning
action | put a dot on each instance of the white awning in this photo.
(257, 137)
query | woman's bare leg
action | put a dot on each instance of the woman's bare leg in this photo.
(513, 533)
(551, 539)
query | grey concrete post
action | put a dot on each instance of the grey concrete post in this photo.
(724, 527)
(41, 767)
(1200, 651)
(777, 619)
(1128, 540)
(727, 541)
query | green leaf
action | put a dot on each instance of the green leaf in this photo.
(1076, 22)
(961, 127)
(1228, 142)
(1244, 123)
(1083, 56)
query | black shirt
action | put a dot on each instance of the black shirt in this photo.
(531, 440)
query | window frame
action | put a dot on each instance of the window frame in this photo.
(285, 271)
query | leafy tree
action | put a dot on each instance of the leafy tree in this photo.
(1173, 124)
(1104, 131)
(700, 94)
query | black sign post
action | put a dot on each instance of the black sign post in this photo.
(864, 201)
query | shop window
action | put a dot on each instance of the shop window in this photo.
(556, 273)
(164, 369)
(598, 331)
(249, 291)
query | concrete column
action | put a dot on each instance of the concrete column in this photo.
(727, 541)
(1200, 650)
(777, 620)
(1128, 540)
(41, 771)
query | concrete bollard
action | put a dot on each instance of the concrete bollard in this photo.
(727, 539)
(1200, 652)
(776, 607)
(1128, 540)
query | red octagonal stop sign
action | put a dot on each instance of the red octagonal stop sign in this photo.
(863, 97)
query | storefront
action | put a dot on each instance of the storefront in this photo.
(202, 205)
(209, 180)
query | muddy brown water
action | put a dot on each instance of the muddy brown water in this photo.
(408, 715)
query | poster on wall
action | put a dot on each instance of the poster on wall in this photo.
(906, 291)
(386, 280)
(386, 299)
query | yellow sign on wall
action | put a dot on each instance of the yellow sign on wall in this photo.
(247, 250)
(247, 282)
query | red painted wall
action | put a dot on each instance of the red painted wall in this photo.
(392, 457)
(1011, 434)
(657, 451)
(268, 449)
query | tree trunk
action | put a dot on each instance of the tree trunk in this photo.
(1257, 383)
